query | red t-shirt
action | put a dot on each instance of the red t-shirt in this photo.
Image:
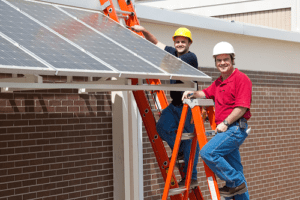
(235, 91)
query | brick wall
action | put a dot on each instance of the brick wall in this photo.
(55, 145)
(270, 154)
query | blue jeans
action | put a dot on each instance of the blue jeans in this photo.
(222, 156)
(167, 126)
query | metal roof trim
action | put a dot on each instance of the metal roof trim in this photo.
(165, 16)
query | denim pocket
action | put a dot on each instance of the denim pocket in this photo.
(240, 136)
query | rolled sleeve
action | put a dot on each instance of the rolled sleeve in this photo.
(243, 93)
(209, 92)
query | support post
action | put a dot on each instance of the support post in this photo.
(125, 147)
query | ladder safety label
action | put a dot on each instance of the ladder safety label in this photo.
(212, 188)
(172, 180)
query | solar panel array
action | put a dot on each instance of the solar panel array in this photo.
(11, 55)
(68, 40)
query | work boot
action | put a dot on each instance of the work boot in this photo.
(230, 192)
(194, 183)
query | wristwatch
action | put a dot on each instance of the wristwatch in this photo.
(226, 122)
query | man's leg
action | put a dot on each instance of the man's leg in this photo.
(234, 159)
(167, 125)
(186, 150)
(218, 147)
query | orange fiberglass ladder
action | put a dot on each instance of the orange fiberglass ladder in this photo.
(199, 136)
(127, 13)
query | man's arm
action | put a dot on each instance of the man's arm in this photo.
(193, 94)
(148, 36)
(236, 113)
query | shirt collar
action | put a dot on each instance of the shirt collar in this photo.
(229, 79)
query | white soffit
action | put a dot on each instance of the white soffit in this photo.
(187, 4)
(219, 7)
(164, 16)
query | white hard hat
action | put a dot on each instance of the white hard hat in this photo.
(223, 48)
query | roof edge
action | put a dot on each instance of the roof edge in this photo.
(165, 16)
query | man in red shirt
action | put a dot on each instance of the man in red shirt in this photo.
(231, 93)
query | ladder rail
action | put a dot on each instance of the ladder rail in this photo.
(190, 167)
(156, 142)
(200, 137)
(175, 151)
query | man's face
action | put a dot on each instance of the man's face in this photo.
(224, 64)
(181, 44)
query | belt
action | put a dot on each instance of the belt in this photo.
(242, 122)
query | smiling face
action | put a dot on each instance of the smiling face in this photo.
(224, 64)
(182, 45)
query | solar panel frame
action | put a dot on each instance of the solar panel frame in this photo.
(35, 64)
(128, 74)
(44, 32)
(168, 57)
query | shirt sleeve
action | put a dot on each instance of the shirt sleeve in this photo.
(243, 92)
(190, 58)
(210, 91)
(170, 50)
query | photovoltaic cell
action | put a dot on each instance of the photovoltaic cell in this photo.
(13, 56)
(86, 38)
(43, 43)
(136, 44)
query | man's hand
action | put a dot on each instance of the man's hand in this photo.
(187, 95)
(148, 35)
(193, 94)
(221, 128)
(137, 28)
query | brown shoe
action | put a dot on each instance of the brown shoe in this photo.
(230, 192)
(194, 183)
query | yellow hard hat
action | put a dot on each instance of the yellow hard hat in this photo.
(183, 32)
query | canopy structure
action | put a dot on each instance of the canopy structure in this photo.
(39, 38)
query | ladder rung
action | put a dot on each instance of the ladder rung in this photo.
(180, 161)
(125, 12)
(176, 191)
(156, 110)
(179, 190)
(187, 136)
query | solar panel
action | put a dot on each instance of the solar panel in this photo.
(45, 44)
(73, 40)
(136, 44)
(106, 50)
(10, 55)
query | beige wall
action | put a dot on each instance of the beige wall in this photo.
(279, 18)
(252, 53)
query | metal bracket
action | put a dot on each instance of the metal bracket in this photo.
(198, 102)
(82, 91)
(105, 5)
(125, 12)
(28, 78)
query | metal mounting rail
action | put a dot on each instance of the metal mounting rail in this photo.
(198, 102)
